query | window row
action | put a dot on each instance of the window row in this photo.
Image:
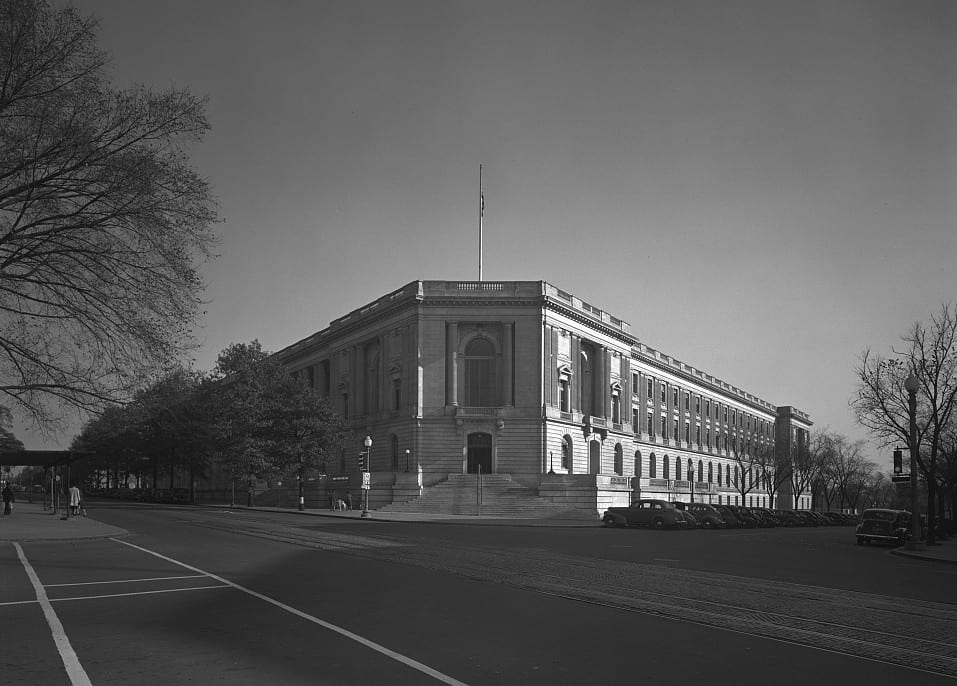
(703, 406)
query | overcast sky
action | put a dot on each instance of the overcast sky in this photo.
(762, 189)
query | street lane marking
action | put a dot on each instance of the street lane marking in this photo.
(128, 581)
(407, 661)
(123, 595)
(71, 662)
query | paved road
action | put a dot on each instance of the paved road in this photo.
(238, 597)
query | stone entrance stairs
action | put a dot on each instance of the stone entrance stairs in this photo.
(497, 496)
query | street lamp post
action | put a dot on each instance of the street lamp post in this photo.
(302, 486)
(367, 442)
(407, 451)
(911, 385)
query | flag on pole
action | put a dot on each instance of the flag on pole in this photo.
(482, 203)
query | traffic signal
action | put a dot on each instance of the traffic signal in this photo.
(898, 461)
(362, 462)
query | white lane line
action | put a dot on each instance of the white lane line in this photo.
(127, 581)
(407, 661)
(71, 662)
(123, 595)
(18, 602)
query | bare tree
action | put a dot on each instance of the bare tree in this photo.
(881, 403)
(807, 462)
(102, 219)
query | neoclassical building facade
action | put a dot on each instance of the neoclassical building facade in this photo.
(525, 379)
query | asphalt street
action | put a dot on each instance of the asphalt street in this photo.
(208, 596)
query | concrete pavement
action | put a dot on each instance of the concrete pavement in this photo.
(30, 522)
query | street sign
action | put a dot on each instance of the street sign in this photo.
(901, 478)
(366, 480)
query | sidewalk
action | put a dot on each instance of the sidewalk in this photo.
(30, 522)
(945, 551)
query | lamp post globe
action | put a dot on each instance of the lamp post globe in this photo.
(911, 385)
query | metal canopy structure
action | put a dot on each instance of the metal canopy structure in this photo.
(41, 458)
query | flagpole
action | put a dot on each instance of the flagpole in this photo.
(481, 214)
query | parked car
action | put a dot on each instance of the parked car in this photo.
(746, 516)
(707, 515)
(788, 518)
(731, 518)
(768, 517)
(658, 514)
(879, 525)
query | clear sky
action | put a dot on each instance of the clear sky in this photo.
(762, 188)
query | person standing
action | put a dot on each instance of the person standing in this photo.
(7, 499)
(74, 500)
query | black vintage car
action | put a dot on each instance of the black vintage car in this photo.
(658, 514)
(879, 525)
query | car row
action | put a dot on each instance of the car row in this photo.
(662, 514)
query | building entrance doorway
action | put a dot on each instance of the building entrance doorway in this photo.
(480, 453)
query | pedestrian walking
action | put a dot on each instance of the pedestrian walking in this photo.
(348, 500)
(74, 500)
(7, 499)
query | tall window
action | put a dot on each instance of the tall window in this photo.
(651, 424)
(480, 388)
(690, 470)
(615, 405)
(566, 453)
(677, 469)
(396, 394)
(701, 470)
(664, 426)
(587, 402)
(676, 435)
(638, 463)
(650, 389)
(711, 473)
(563, 394)
(652, 466)
(665, 468)
(619, 460)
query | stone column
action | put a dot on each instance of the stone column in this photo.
(451, 363)
(509, 357)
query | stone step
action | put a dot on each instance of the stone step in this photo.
(500, 496)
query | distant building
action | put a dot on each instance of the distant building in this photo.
(525, 379)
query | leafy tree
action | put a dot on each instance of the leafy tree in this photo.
(103, 222)
(881, 404)
(270, 422)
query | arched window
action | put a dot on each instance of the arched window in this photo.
(735, 476)
(701, 471)
(711, 473)
(619, 460)
(665, 468)
(638, 463)
(480, 386)
(394, 449)
(652, 466)
(567, 453)
(690, 470)
(677, 468)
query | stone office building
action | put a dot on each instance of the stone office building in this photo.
(523, 379)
